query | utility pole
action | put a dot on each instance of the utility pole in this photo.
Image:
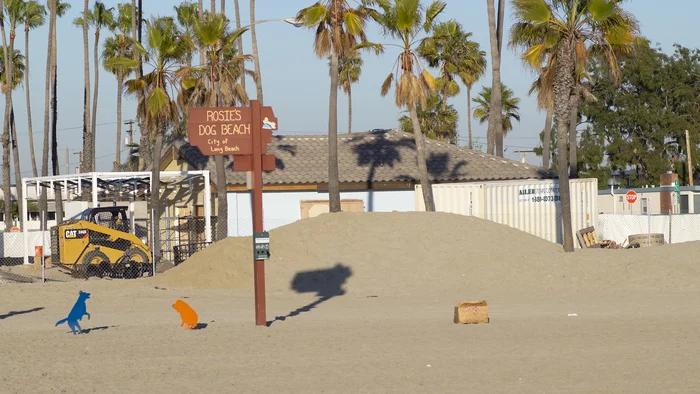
(80, 155)
(524, 152)
(690, 159)
(67, 162)
(131, 140)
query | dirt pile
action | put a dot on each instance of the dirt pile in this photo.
(428, 253)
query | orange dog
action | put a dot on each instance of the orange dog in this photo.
(187, 314)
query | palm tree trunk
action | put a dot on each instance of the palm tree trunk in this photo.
(333, 175)
(144, 159)
(58, 195)
(256, 60)
(240, 40)
(213, 7)
(563, 87)
(223, 6)
(494, 138)
(222, 202)
(155, 196)
(200, 10)
(95, 59)
(573, 157)
(54, 105)
(422, 164)
(87, 137)
(32, 157)
(43, 206)
(6, 130)
(221, 193)
(118, 159)
(546, 151)
(18, 172)
(469, 116)
(350, 109)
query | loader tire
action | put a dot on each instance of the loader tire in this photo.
(137, 260)
(95, 263)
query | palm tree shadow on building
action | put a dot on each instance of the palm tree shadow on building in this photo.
(377, 152)
(326, 283)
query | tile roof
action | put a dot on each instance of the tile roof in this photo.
(379, 156)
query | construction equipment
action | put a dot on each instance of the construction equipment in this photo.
(97, 242)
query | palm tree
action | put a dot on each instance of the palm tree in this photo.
(6, 121)
(14, 15)
(34, 16)
(119, 46)
(404, 20)
(494, 134)
(436, 122)
(18, 66)
(186, 15)
(256, 58)
(101, 17)
(157, 107)
(451, 50)
(349, 70)
(213, 84)
(144, 157)
(571, 31)
(545, 101)
(61, 9)
(240, 39)
(442, 50)
(509, 106)
(86, 165)
(18, 73)
(338, 27)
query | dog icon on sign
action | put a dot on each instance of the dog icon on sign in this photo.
(268, 124)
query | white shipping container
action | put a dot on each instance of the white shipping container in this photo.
(532, 206)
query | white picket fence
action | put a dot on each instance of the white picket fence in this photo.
(675, 228)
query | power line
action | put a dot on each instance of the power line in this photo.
(72, 164)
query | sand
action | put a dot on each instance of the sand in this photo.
(364, 303)
(434, 253)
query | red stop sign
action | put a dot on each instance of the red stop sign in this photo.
(631, 196)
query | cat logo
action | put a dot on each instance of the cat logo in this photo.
(76, 233)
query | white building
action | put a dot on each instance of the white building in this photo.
(378, 173)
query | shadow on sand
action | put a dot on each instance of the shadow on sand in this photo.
(326, 283)
(14, 313)
(89, 330)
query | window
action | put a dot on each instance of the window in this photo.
(645, 205)
(313, 208)
(684, 204)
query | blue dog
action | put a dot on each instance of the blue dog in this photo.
(79, 310)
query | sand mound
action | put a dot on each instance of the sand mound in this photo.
(418, 252)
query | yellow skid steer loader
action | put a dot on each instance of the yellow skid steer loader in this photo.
(98, 243)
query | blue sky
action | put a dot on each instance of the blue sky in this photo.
(295, 82)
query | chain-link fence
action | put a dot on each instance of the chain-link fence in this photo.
(104, 245)
(626, 229)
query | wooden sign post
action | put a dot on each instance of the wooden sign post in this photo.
(243, 132)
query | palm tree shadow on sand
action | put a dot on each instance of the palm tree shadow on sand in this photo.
(326, 283)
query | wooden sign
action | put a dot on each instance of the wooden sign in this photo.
(226, 131)
(244, 133)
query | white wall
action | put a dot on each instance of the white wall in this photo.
(619, 204)
(532, 206)
(282, 208)
(677, 228)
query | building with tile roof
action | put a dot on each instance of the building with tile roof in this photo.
(386, 157)
(378, 173)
